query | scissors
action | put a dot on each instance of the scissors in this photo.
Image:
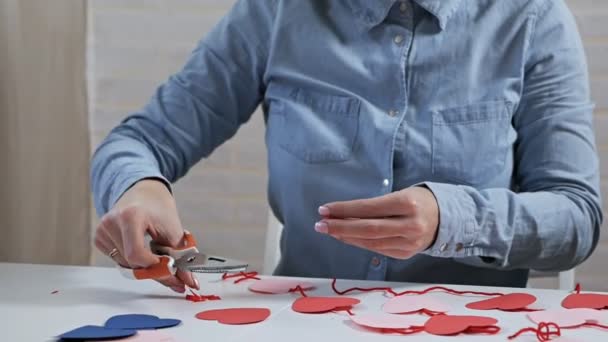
(186, 258)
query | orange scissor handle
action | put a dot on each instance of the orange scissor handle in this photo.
(167, 256)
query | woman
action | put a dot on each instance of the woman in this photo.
(443, 141)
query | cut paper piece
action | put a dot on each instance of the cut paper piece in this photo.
(508, 302)
(150, 336)
(412, 304)
(138, 322)
(279, 286)
(323, 304)
(93, 332)
(386, 321)
(586, 300)
(452, 325)
(568, 318)
(235, 316)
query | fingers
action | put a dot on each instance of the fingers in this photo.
(188, 279)
(132, 232)
(394, 204)
(173, 283)
(105, 244)
(363, 228)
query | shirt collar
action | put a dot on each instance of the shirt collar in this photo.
(372, 13)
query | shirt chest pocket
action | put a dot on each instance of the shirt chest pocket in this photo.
(470, 144)
(312, 126)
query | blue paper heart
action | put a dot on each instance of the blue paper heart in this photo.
(93, 332)
(140, 322)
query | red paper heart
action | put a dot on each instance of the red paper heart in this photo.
(452, 325)
(508, 302)
(586, 300)
(235, 316)
(323, 304)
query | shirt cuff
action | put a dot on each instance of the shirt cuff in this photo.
(121, 186)
(457, 227)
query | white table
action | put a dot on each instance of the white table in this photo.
(90, 295)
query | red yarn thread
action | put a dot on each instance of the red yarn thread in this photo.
(195, 297)
(299, 289)
(543, 331)
(406, 331)
(408, 292)
(577, 288)
(243, 276)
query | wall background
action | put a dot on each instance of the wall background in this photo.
(135, 45)
(44, 141)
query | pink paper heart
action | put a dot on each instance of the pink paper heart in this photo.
(278, 286)
(566, 318)
(411, 304)
(384, 321)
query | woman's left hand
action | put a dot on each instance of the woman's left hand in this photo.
(399, 225)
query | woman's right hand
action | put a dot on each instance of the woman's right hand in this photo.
(146, 208)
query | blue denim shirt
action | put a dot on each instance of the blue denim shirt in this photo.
(484, 102)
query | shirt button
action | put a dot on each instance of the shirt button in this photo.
(392, 113)
(375, 261)
(398, 39)
(403, 7)
(385, 182)
(459, 247)
(443, 247)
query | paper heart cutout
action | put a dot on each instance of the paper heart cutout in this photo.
(235, 316)
(586, 300)
(566, 318)
(323, 304)
(508, 302)
(384, 321)
(452, 325)
(411, 304)
(93, 332)
(137, 322)
(278, 286)
(149, 336)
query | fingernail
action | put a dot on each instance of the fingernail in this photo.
(323, 211)
(321, 227)
(196, 283)
(178, 289)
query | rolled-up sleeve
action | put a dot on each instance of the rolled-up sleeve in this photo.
(194, 111)
(552, 222)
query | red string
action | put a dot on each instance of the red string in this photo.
(241, 275)
(543, 331)
(408, 292)
(490, 329)
(591, 324)
(346, 309)
(430, 312)
(195, 297)
(405, 331)
(299, 289)
(577, 288)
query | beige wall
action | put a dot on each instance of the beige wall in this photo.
(136, 44)
(44, 200)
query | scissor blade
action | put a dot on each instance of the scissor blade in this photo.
(201, 263)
